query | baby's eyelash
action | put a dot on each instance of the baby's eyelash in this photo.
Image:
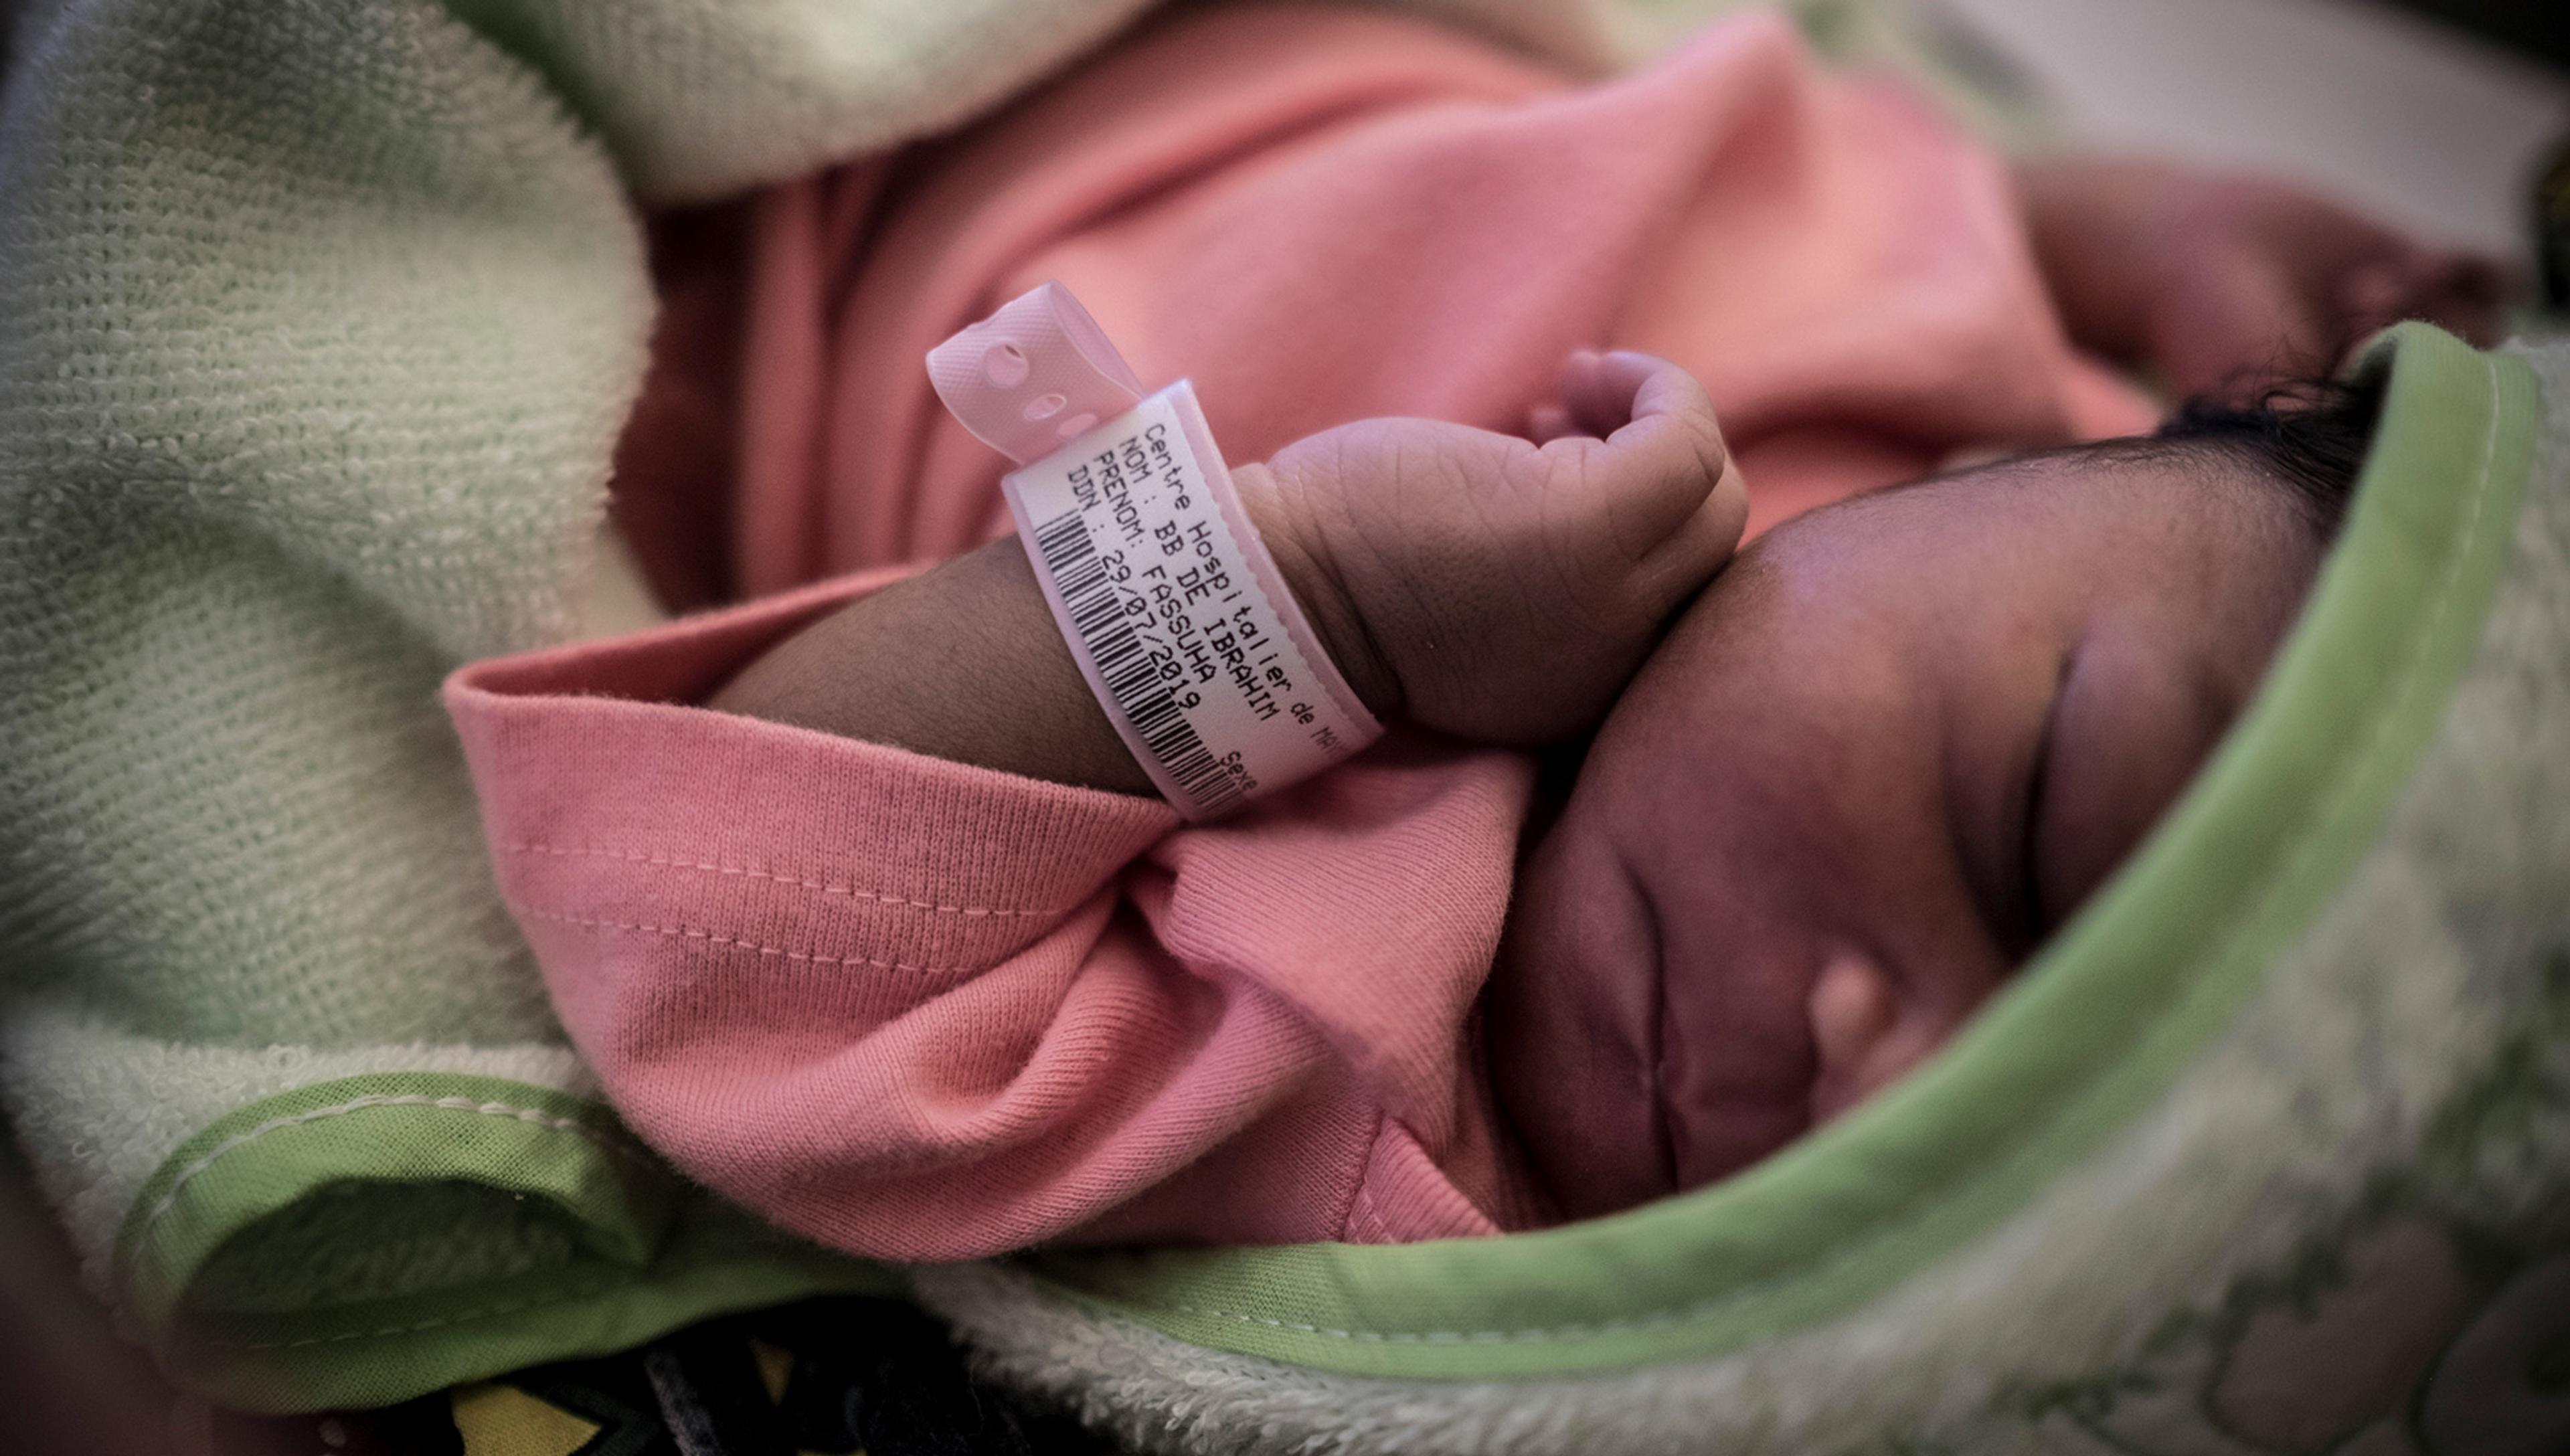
(2029, 877)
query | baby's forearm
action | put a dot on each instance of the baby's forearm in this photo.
(961, 663)
(1470, 583)
(966, 663)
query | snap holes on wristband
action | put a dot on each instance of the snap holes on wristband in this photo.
(1171, 603)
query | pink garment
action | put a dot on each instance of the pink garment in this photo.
(923, 1010)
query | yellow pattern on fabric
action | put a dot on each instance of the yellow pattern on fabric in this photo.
(502, 1420)
(775, 1366)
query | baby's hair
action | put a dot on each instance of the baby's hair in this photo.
(2308, 437)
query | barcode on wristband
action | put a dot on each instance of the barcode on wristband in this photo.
(1131, 677)
(1179, 619)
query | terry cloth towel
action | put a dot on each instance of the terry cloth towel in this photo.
(318, 325)
(917, 1011)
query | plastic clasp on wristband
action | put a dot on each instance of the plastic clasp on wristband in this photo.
(1170, 601)
(1033, 376)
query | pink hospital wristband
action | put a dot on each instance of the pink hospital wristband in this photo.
(1170, 601)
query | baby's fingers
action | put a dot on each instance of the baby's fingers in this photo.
(1705, 544)
(1549, 422)
(1661, 453)
(1595, 397)
(1604, 392)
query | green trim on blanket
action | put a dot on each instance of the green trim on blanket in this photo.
(2107, 1021)
(647, 1252)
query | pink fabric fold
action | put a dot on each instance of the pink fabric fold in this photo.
(924, 1010)
(1324, 215)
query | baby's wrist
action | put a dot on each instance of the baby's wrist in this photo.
(1284, 522)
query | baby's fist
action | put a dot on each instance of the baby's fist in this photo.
(1493, 587)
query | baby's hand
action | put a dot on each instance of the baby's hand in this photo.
(1498, 588)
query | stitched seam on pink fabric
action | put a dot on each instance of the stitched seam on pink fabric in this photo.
(1358, 1191)
(1369, 1213)
(688, 933)
(563, 852)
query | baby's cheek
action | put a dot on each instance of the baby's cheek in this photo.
(1573, 1014)
(1737, 1060)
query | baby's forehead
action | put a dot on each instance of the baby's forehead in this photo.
(2047, 530)
(2072, 498)
(2142, 472)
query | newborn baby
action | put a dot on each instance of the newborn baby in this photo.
(1864, 772)
(857, 905)
(1865, 775)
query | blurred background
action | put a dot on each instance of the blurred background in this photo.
(2433, 112)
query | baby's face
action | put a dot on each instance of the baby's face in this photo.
(1870, 770)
